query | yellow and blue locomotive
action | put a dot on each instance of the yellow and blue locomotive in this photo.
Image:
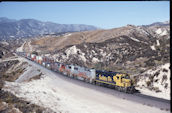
(117, 80)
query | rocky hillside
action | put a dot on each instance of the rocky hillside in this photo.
(98, 36)
(8, 47)
(156, 80)
(5, 50)
(51, 43)
(132, 49)
(12, 29)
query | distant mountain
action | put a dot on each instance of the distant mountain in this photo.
(166, 23)
(5, 20)
(10, 29)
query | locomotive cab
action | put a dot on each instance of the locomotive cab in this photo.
(128, 83)
(123, 81)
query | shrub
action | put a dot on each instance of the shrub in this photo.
(166, 85)
(157, 73)
(164, 78)
(165, 70)
(142, 71)
(156, 80)
(148, 83)
(1, 84)
(156, 89)
(151, 78)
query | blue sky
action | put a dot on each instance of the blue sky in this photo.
(106, 15)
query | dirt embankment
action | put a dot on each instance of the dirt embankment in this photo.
(9, 103)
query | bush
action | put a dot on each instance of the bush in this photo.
(156, 89)
(157, 73)
(150, 63)
(156, 80)
(166, 85)
(1, 84)
(151, 78)
(165, 70)
(142, 71)
(148, 83)
(164, 78)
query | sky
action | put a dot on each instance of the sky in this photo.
(105, 15)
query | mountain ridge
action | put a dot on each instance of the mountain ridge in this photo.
(102, 35)
(31, 27)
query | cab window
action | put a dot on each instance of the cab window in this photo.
(117, 77)
(127, 76)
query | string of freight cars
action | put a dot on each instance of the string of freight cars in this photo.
(119, 81)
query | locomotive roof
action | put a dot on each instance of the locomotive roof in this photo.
(110, 72)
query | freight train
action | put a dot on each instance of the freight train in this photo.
(119, 81)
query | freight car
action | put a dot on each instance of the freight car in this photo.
(116, 80)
